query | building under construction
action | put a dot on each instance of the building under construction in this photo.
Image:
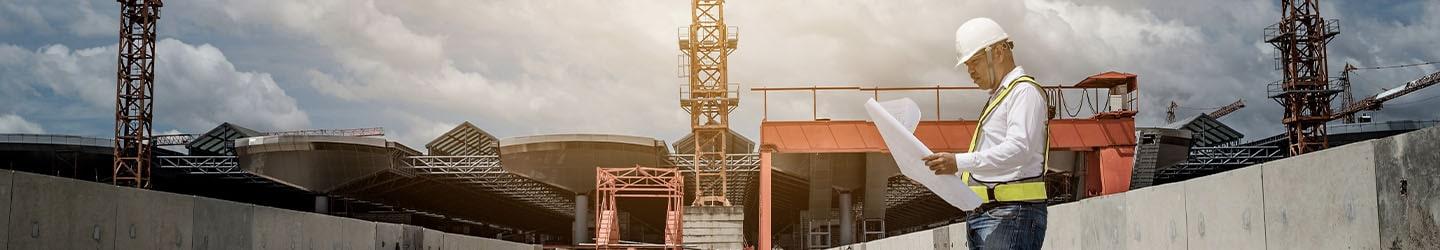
(808, 183)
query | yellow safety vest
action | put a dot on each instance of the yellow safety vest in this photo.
(1028, 189)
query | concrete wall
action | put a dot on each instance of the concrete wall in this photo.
(714, 227)
(46, 212)
(1378, 194)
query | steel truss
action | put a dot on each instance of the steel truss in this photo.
(1205, 160)
(223, 167)
(638, 182)
(1305, 92)
(134, 92)
(741, 169)
(485, 173)
(901, 189)
(707, 44)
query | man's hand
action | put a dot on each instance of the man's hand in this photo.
(941, 163)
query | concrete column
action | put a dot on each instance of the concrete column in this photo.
(847, 221)
(878, 170)
(578, 233)
(765, 196)
(322, 204)
(822, 177)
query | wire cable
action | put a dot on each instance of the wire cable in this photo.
(1398, 66)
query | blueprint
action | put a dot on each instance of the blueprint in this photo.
(896, 120)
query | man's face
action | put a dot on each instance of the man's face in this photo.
(979, 70)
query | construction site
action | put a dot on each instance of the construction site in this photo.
(1333, 179)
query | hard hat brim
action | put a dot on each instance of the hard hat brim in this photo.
(976, 50)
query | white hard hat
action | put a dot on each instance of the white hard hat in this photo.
(975, 35)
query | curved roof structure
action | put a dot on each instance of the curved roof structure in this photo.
(319, 163)
(569, 160)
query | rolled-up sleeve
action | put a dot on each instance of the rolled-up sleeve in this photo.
(1024, 129)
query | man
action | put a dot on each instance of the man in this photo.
(1006, 161)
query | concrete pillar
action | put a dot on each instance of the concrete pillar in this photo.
(822, 179)
(878, 170)
(578, 231)
(765, 196)
(322, 204)
(847, 221)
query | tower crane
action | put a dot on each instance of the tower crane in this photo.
(1219, 112)
(134, 92)
(1375, 102)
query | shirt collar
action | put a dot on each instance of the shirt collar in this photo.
(1010, 77)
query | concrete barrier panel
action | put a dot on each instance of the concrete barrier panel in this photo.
(1226, 210)
(412, 237)
(916, 240)
(457, 242)
(489, 243)
(432, 239)
(389, 236)
(883, 243)
(959, 236)
(153, 220)
(57, 213)
(276, 228)
(1062, 226)
(220, 224)
(1156, 217)
(856, 246)
(1407, 174)
(1322, 200)
(320, 231)
(1104, 224)
(358, 234)
(5, 182)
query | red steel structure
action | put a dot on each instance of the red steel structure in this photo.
(1305, 91)
(637, 182)
(135, 88)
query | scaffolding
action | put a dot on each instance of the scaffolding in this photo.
(637, 182)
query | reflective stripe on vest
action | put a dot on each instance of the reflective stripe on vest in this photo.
(1029, 189)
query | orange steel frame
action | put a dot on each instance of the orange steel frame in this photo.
(875, 91)
(134, 93)
(638, 182)
(710, 99)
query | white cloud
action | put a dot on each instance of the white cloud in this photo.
(196, 87)
(526, 67)
(518, 67)
(78, 18)
(11, 123)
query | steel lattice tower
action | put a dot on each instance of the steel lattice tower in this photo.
(135, 86)
(1305, 92)
(709, 99)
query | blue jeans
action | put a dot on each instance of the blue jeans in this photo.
(1009, 226)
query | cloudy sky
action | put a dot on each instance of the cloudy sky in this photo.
(519, 68)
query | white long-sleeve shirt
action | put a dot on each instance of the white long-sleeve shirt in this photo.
(1012, 142)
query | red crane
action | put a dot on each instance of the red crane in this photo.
(1376, 101)
(134, 92)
